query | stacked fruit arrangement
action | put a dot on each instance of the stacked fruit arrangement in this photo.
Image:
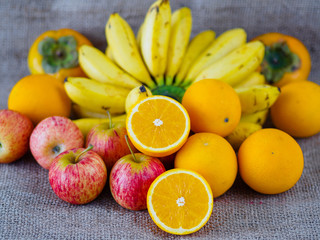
(157, 101)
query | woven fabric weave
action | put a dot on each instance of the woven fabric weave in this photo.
(29, 209)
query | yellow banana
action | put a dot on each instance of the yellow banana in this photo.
(181, 25)
(197, 45)
(125, 50)
(136, 95)
(96, 96)
(224, 44)
(82, 112)
(99, 67)
(254, 78)
(155, 37)
(86, 124)
(259, 117)
(139, 37)
(257, 98)
(109, 54)
(241, 132)
(236, 65)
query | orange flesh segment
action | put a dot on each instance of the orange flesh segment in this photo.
(192, 197)
(163, 123)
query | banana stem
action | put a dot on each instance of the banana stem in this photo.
(160, 80)
(151, 84)
(169, 80)
(177, 82)
(186, 83)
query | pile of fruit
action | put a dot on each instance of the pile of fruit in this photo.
(168, 122)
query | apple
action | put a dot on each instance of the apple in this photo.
(108, 140)
(15, 131)
(78, 175)
(53, 136)
(131, 177)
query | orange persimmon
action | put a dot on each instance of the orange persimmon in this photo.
(55, 52)
(286, 59)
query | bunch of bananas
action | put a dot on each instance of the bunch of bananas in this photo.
(162, 59)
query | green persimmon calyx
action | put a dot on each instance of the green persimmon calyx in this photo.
(174, 92)
(57, 54)
(278, 60)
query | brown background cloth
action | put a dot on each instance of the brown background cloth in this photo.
(30, 210)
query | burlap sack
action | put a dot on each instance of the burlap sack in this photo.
(30, 210)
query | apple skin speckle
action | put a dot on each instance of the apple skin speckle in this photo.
(15, 131)
(50, 133)
(130, 180)
(81, 182)
(109, 143)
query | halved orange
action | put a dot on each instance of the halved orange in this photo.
(180, 201)
(158, 126)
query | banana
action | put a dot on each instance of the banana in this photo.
(181, 25)
(82, 112)
(139, 37)
(257, 98)
(254, 78)
(109, 54)
(99, 67)
(241, 132)
(96, 96)
(236, 65)
(155, 37)
(125, 50)
(197, 45)
(86, 124)
(136, 95)
(224, 44)
(259, 117)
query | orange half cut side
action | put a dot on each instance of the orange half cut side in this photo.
(158, 126)
(180, 201)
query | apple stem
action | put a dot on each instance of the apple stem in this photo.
(84, 151)
(110, 119)
(127, 140)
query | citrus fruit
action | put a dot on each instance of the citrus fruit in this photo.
(211, 156)
(180, 201)
(213, 106)
(297, 110)
(39, 96)
(270, 161)
(158, 126)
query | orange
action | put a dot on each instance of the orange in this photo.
(211, 156)
(297, 110)
(213, 106)
(158, 126)
(39, 96)
(180, 201)
(270, 161)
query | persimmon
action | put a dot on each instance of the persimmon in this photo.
(286, 59)
(55, 52)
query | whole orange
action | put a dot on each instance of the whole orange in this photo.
(211, 156)
(213, 106)
(39, 96)
(270, 161)
(297, 110)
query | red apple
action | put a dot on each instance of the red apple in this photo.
(78, 175)
(53, 136)
(131, 177)
(108, 140)
(15, 131)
